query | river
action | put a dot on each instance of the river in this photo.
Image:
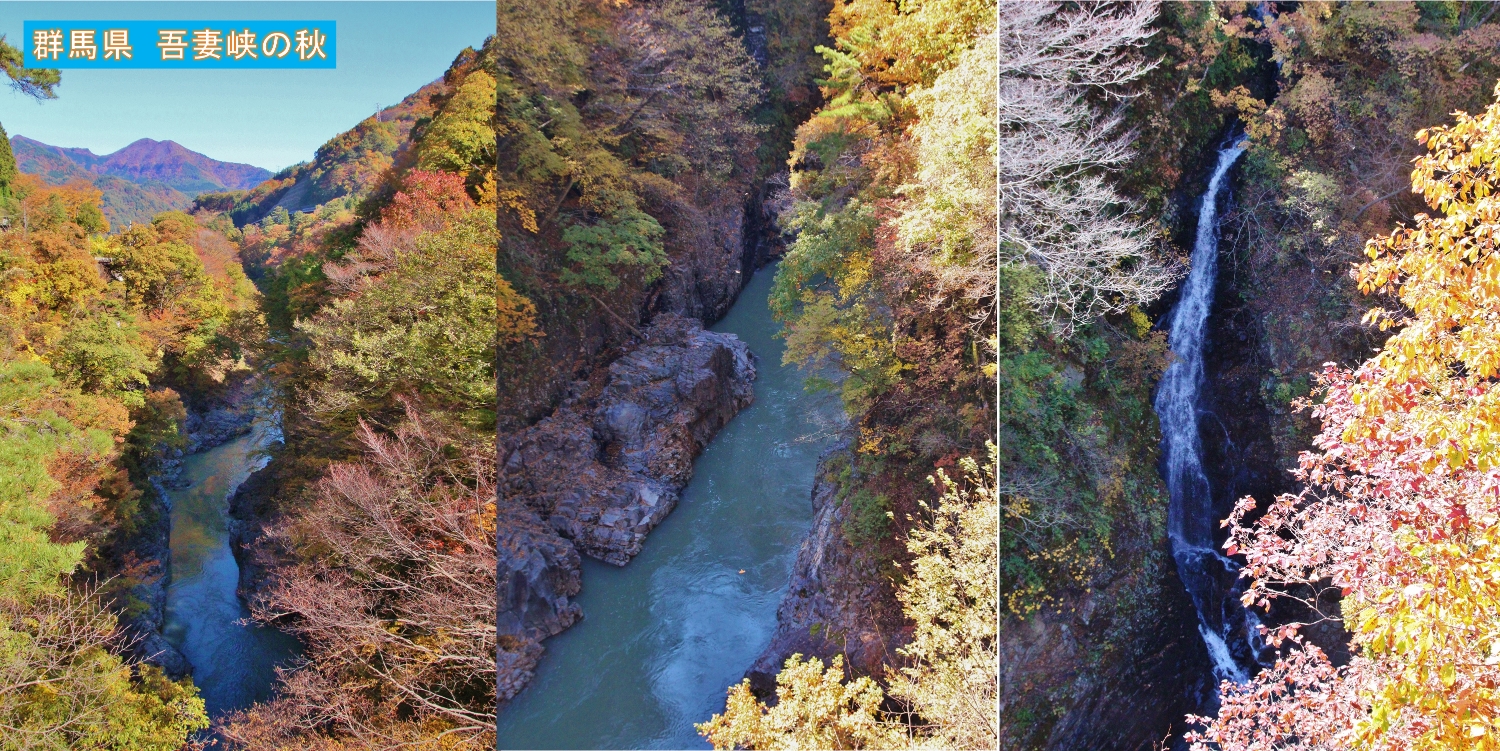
(233, 661)
(663, 637)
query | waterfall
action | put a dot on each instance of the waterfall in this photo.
(1229, 631)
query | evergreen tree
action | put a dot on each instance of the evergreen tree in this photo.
(33, 82)
(8, 170)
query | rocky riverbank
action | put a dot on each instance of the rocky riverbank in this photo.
(836, 602)
(210, 422)
(604, 469)
(593, 478)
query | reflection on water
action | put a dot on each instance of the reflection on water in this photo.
(233, 661)
(663, 637)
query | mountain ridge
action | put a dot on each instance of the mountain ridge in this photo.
(140, 180)
(167, 161)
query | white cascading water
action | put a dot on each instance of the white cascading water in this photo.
(1191, 522)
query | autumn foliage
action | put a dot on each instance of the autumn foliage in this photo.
(945, 688)
(393, 592)
(95, 330)
(1401, 511)
(378, 519)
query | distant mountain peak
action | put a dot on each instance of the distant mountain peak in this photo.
(172, 173)
(162, 161)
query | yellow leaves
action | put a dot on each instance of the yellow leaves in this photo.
(488, 518)
(515, 314)
(1439, 635)
(514, 200)
(1447, 275)
(951, 598)
(815, 709)
(1434, 629)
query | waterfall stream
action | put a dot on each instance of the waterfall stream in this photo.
(1229, 631)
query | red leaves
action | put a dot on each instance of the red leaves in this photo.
(1401, 509)
(427, 200)
(395, 595)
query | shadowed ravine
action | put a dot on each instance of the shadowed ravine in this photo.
(663, 637)
(233, 661)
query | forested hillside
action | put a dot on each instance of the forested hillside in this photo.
(1109, 116)
(483, 320)
(369, 535)
(351, 165)
(104, 337)
(375, 339)
(139, 181)
(625, 151)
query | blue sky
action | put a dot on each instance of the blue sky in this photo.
(268, 118)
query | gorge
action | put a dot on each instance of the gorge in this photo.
(771, 373)
(233, 658)
(686, 616)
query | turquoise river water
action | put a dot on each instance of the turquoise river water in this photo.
(663, 637)
(233, 661)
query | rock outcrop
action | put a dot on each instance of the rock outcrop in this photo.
(219, 424)
(536, 572)
(607, 466)
(603, 470)
(707, 250)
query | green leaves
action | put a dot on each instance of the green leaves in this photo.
(37, 83)
(32, 434)
(461, 138)
(627, 238)
(104, 355)
(61, 689)
(426, 326)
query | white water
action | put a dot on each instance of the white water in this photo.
(665, 636)
(1191, 518)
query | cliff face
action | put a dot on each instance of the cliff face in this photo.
(606, 467)
(706, 272)
(602, 471)
(1117, 665)
(537, 571)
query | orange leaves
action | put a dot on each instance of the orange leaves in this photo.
(427, 200)
(516, 315)
(905, 44)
